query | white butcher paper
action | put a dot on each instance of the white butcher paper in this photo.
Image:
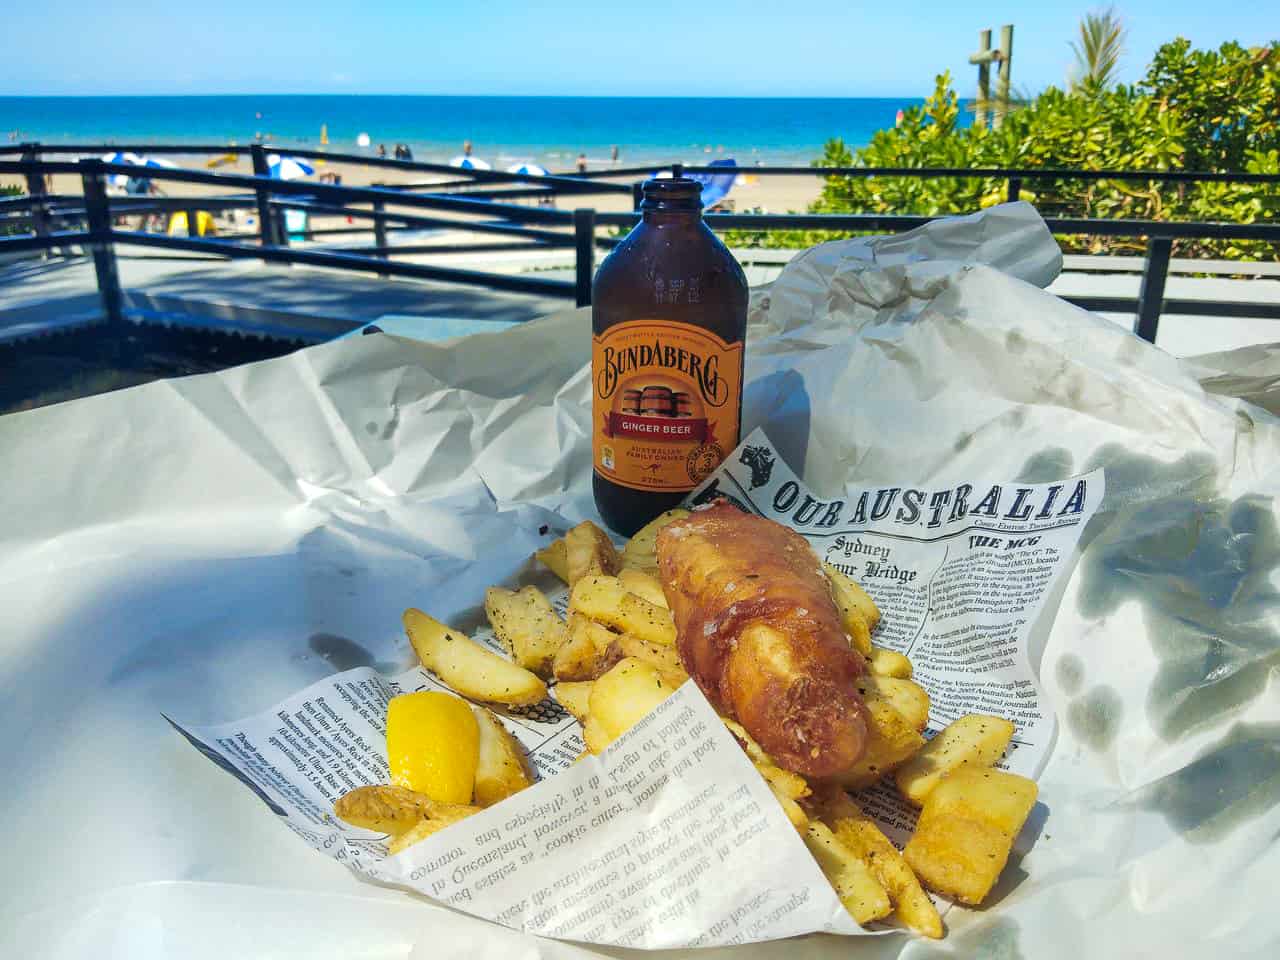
(197, 550)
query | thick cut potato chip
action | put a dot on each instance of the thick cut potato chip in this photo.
(574, 697)
(908, 698)
(783, 781)
(625, 695)
(966, 831)
(997, 797)
(419, 831)
(665, 658)
(588, 650)
(384, 808)
(888, 663)
(891, 741)
(640, 553)
(525, 621)
(443, 817)
(854, 883)
(795, 813)
(850, 597)
(502, 768)
(605, 600)
(555, 559)
(642, 585)
(468, 667)
(589, 552)
(594, 735)
(975, 739)
(860, 834)
(788, 787)
(856, 629)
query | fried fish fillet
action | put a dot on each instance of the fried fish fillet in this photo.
(759, 633)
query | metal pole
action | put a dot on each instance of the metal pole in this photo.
(380, 234)
(1006, 66)
(281, 224)
(1151, 296)
(266, 222)
(984, 81)
(584, 235)
(37, 191)
(98, 213)
(637, 195)
(677, 170)
(193, 223)
(1015, 189)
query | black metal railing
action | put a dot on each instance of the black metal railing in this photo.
(472, 201)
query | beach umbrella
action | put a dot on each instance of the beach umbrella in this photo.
(135, 160)
(137, 184)
(120, 179)
(716, 186)
(469, 163)
(527, 169)
(288, 168)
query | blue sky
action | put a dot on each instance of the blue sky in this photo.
(567, 47)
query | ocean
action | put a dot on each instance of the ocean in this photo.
(504, 130)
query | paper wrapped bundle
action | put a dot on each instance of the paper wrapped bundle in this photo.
(206, 548)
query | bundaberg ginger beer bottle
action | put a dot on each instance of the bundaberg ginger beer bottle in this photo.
(668, 318)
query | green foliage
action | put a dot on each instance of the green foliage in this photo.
(1194, 110)
(1098, 51)
(10, 190)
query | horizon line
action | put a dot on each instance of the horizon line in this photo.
(466, 96)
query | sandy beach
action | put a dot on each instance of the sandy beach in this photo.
(771, 194)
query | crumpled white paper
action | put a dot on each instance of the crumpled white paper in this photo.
(207, 546)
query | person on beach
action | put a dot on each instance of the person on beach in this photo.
(466, 148)
(613, 155)
(382, 150)
(582, 163)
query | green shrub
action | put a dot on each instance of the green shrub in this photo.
(10, 190)
(1194, 110)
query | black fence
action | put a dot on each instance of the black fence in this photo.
(480, 202)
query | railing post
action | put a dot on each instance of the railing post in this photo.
(1151, 296)
(98, 213)
(584, 235)
(281, 219)
(193, 223)
(266, 221)
(1015, 189)
(637, 195)
(37, 191)
(677, 170)
(380, 233)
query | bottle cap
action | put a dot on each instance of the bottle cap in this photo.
(672, 193)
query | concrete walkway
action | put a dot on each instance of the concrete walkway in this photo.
(295, 303)
(308, 304)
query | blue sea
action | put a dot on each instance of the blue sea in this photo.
(547, 130)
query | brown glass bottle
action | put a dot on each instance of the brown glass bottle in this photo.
(668, 318)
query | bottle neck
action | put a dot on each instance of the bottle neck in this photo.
(671, 201)
(665, 217)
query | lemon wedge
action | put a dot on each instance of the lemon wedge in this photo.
(433, 745)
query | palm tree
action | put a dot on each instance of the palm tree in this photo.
(1102, 36)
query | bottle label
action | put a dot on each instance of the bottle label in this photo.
(665, 403)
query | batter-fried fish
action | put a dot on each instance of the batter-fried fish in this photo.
(759, 633)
